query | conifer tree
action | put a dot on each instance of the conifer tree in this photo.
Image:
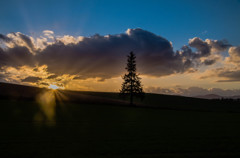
(132, 84)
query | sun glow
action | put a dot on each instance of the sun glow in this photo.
(48, 100)
(52, 86)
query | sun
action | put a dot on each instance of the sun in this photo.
(54, 87)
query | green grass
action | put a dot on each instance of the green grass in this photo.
(115, 131)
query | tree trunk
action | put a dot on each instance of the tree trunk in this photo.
(131, 93)
(131, 99)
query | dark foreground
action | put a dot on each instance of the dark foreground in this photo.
(92, 130)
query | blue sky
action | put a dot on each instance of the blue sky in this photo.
(174, 19)
(63, 58)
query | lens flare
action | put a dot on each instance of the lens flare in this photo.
(47, 102)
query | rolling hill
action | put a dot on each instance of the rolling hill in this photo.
(103, 125)
(20, 92)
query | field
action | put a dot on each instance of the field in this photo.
(99, 130)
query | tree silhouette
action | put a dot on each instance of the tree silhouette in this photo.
(132, 84)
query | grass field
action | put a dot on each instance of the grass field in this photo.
(91, 130)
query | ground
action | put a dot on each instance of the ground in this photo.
(95, 130)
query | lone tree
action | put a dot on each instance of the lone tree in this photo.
(132, 84)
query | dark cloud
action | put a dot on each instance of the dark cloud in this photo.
(218, 45)
(79, 78)
(2, 77)
(2, 58)
(52, 76)
(5, 38)
(209, 62)
(105, 56)
(205, 48)
(31, 79)
(225, 74)
(202, 47)
(231, 75)
(16, 56)
(43, 84)
(237, 80)
(27, 40)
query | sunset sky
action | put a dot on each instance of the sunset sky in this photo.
(183, 47)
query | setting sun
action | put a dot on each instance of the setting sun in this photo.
(53, 87)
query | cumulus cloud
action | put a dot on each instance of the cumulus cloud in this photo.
(234, 53)
(31, 79)
(207, 51)
(37, 76)
(4, 38)
(223, 74)
(52, 76)
(202, 47)
(230, 71)
(218, 45)
(104, 57)
(27, 41)
(49, 34)
(233, 75)
(18, 39)
(16, 56)
(66, 39)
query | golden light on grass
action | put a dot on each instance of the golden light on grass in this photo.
(48, 100)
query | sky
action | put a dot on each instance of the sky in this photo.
(182, 47)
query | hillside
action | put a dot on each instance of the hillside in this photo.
(20, 92)
(98, 124)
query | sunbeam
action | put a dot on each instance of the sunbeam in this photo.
(48, 100)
